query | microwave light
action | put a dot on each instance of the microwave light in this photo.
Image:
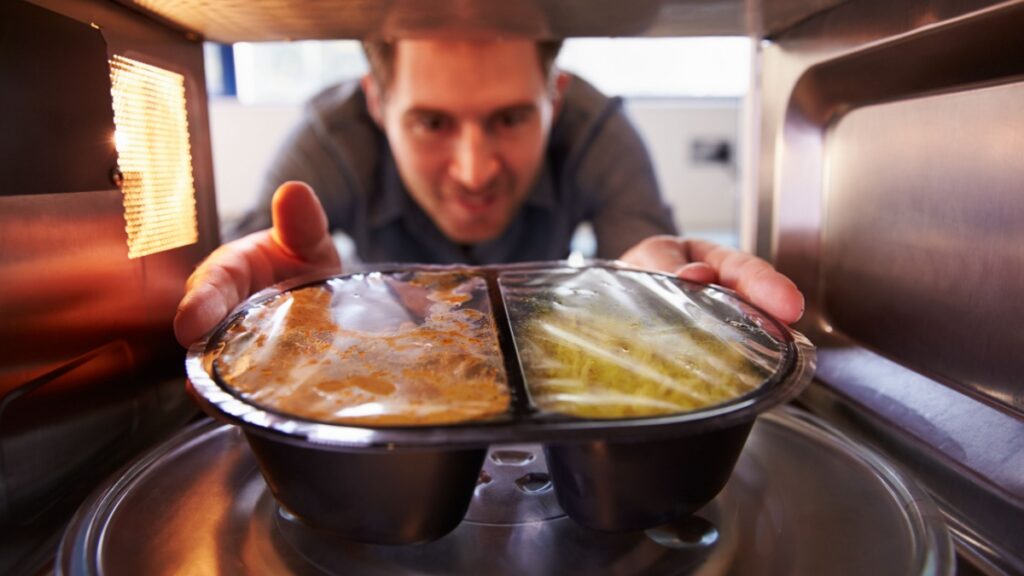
(154, 157)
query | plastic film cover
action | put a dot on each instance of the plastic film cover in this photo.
(407, 348)
(606, 343)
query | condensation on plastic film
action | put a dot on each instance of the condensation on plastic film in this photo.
(374, 349)
(417, 348)
(598, 343)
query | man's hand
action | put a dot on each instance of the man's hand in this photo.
(705, 262)
(298, 243)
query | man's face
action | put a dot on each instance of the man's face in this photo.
(468, 124)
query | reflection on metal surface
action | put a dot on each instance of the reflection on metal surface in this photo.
(269, 20)
(214, 512)
(154, 156)
(892, 157)
(514, 465)
(238, 20)
(56, 125)
(953, 224)
(24, 483)
(691, 533)
(69, 287)
(952, 211)
(90, 372)
(881, 402)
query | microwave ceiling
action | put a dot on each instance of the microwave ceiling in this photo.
(230, 21)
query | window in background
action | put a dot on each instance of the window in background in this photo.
(685, 96)
(662, 67)
(292, 72)
(283, 72)
(220, 69)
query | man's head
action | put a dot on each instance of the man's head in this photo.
(468, 124)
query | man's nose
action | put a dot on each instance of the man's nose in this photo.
(474, 162)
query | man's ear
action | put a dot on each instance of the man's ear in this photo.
(559, 87)
(373, 98)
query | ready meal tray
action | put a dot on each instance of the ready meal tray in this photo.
(381, 391)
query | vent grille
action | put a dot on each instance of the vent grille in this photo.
(154, 157)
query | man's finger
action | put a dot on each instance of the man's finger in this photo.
(199, 311)
(658, 253)
(697, 272)
(753, 278)
(300, 225)
(777, 294)
(299, 243)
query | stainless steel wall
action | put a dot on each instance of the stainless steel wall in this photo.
(892, 191)
(89, 370)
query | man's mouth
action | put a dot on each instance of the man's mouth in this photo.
(478, 202)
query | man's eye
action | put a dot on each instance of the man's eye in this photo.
(432, 123)
(510, 119)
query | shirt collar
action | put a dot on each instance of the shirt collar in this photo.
(388, 202)
(543, 193)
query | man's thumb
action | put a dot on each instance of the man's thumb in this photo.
(300, 225)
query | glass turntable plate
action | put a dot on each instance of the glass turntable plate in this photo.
(802, 500)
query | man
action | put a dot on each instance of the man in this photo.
(463, 151)
(470, 152)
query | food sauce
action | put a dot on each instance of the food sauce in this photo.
(440, 363)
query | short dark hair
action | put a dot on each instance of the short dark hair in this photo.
(380, 54)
